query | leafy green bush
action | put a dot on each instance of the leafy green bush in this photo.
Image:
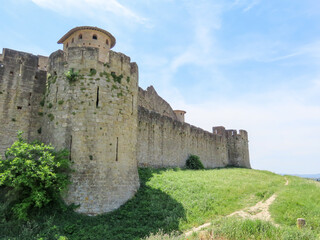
(72, 76)
(35, 174)
(193, 162)
(92, 72)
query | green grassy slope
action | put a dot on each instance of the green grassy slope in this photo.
(176, 200)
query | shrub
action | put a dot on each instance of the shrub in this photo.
(51, 116)
(92, 72)
(72, 76)
(50, 105)
(193, 162)
(35, 174)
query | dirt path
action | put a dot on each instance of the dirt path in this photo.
(258, 211)
(287, 181)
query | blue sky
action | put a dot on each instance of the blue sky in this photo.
(243, 64)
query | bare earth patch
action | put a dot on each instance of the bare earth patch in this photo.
(259, 211)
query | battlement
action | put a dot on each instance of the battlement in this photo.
(10, 56)
(220, 130)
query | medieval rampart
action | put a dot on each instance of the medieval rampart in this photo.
(165, 142)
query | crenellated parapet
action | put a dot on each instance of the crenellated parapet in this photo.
(166, 142)
(237, 143)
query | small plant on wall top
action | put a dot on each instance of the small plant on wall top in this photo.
(72, 76)
(193, 162)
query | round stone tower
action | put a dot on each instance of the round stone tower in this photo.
(90, 108)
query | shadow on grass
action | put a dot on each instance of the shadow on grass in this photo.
(146, 213)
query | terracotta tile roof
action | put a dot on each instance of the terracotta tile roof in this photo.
(113, 40)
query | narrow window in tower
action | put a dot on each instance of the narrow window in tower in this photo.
(131, 104)
(72, 41)
(117, 149)
(95, 37)
(107, 42)
(70, 147)
(97, 101)
(80, 36)
(57, 94)
(29, 101)
(67, 45)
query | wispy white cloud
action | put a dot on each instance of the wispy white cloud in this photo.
(251, 5)
(205, 19)
(247, 5)
(91, 8)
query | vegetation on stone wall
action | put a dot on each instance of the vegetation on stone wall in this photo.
(51, 116)
(92, 72)
(72, 76)
(116, 78)
(34, 174)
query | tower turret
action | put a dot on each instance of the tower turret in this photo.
(180, 115)
(86, 36)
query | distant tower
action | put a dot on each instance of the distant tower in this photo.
(91, 109)
(180, 115)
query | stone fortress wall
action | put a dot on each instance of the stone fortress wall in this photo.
(109, 124)
(165, 140)
(22, 85)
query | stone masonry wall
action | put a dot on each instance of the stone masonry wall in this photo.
(21, 89)
(150, 100)
(165, 142)
(95, 117)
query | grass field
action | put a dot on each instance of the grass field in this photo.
(175, 200)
